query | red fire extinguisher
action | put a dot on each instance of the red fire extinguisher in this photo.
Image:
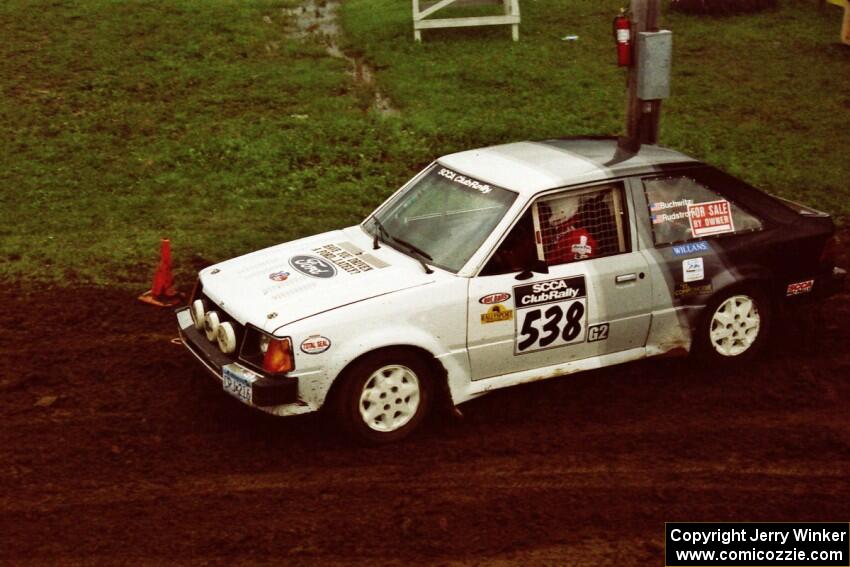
(623, 36)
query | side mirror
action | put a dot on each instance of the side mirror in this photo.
(536, 267)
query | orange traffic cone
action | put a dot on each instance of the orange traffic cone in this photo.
(162, 292)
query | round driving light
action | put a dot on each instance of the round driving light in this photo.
(226, 338)
(211, 325)
(198, 310)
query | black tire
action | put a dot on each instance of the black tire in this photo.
(404, 373)
(741, 345)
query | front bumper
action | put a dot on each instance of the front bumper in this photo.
(265, 391)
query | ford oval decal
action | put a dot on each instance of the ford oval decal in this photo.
(312, 266)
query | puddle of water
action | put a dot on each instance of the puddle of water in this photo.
(318, 19)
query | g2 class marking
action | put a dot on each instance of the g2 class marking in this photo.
(494, 298)
(562, 323)
(313, 266)
(315, 344)
(597, 332)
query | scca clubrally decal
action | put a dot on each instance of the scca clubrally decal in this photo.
(549, 314)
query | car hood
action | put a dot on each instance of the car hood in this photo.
(291, 281)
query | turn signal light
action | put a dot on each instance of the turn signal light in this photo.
(278, 357)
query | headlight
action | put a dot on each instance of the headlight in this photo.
(264, 342)
(211, 324)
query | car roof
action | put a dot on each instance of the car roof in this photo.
(534, 166)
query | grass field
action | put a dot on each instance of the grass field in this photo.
(204, 121)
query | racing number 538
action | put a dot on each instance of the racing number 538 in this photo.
(560, 326)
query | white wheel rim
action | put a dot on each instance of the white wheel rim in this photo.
(735, 325)
(390, 398)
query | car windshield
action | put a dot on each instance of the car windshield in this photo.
(441, 218)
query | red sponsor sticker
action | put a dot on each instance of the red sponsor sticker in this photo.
(494, 298)
(799, 288)
(714, 217)
(315, 344)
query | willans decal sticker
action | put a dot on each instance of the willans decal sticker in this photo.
(691, 248)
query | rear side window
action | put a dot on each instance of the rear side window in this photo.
(683, 209)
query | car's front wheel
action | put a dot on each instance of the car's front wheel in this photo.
(384, 396)
(735, 326)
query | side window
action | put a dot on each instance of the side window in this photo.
(580, 224)
(516, 252)
(683, 209)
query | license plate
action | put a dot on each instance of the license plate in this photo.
(237, 381)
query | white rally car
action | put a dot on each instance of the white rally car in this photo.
(505, 265)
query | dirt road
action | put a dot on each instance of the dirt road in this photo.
(141, 459)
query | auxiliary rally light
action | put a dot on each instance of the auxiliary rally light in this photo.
(211, 324)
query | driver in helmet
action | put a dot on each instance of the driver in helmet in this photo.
(571, 241)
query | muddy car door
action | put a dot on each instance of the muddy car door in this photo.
(591, 299)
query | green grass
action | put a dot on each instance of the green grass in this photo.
(765, 96)
(202, 121)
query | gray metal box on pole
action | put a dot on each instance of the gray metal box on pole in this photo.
(655, 55)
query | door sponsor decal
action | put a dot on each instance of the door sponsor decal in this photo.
(597, 332)
(690, 248)
(693, 270)
(497, 313)
(494, 298)
(713, 217)
(315, 344)
(550, 314)
(312, 266)
(687, 290)
(800, 288)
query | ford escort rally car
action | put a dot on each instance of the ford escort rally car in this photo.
(504, 265)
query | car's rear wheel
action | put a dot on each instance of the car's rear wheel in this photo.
(384, 396)
(735, 326)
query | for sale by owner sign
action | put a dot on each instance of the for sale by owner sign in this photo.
(714, 217)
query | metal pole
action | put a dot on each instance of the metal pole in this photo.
(642, 117)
